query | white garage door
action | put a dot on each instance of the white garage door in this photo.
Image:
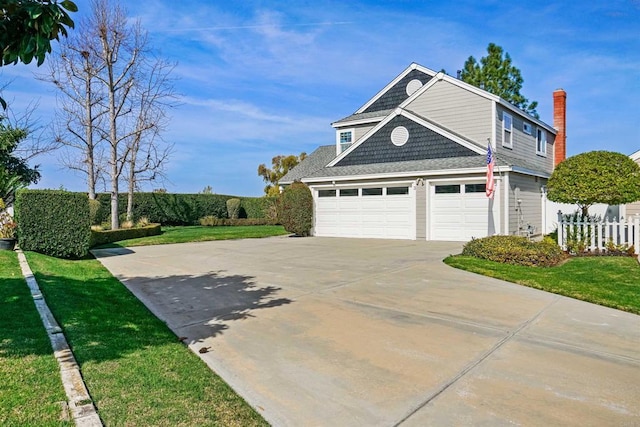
(460, 211)
(378, 212)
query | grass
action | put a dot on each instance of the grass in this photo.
(30, 385)
(137, 371)
(202, 234)
(609, 281)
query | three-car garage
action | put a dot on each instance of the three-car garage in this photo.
(455, 210)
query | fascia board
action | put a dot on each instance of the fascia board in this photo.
(482, 170)
(525, 171)
(400, 76)
(364, 137)
(635, 156)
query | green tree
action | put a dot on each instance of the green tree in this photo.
(280, 166)
(15, 173)
(595, 177)
(497, 74)
(27, 28)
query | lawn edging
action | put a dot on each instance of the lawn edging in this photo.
(79, 400)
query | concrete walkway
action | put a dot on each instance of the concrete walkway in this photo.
(350, 332)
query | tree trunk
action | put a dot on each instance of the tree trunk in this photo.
(132, 186)
(91, 167)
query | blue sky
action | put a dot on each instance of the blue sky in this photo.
(258, 79)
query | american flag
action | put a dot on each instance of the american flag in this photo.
(491, 161)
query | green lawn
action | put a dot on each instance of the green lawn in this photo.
(609, 281)
(137, 371)
(203, 234)
(30, 385)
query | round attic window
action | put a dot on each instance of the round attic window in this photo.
(413, 86)
(399, 136)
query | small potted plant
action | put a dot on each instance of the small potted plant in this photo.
(7, 229)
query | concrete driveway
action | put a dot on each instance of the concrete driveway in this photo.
(350, 332)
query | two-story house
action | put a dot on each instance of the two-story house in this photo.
(411, 163)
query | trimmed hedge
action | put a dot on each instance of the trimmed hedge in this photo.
(212, 221)
(53, 222)
(180, 209)
(103, 237)
(515, 250)
(295, 209)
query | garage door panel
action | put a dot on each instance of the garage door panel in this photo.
(459, 216)
(385, 216)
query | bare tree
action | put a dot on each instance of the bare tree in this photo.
(115, 110)
(81, 114)
(148, 152)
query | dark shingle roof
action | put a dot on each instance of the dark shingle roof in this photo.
(311, 164)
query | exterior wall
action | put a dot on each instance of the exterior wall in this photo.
(421, 211)
(524, 145)
(422, 143)
(361, 130)
(527, 189)
(456, 109)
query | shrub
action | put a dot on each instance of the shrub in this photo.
(295, 209)
(53, 222)
(94, 211)
(102, 237)
(515, 250)
(233, 208)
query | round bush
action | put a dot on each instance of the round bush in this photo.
(295, 209)
(515, 250)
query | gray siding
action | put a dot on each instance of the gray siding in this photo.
(530, 210)
(361, 130)
(421, 212)
(457, 109)
(524, 145)
(423, 143)
(398, 93)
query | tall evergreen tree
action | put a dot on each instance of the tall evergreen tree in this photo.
(496, 74)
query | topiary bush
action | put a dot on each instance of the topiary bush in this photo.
(295, 209)
(233, 208)
(53, 222)
(515, 250)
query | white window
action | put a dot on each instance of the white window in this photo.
(526, 128)
(507, 130)
(541, 142)
(344, 139)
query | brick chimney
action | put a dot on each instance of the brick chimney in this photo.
(559, 123)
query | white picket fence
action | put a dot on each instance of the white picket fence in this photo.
(598, 234)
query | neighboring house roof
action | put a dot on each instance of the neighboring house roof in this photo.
(312, 163)
(635, 156)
